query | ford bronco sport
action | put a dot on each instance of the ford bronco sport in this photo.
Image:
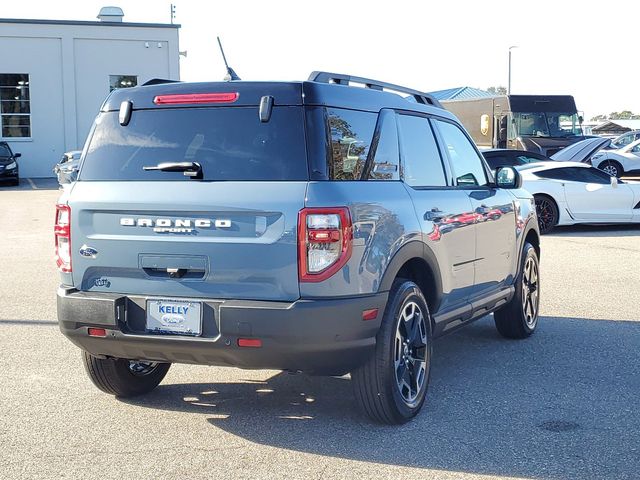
(312, 226)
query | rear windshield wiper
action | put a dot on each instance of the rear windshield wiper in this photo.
(190, 169)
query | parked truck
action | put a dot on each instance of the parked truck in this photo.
(539, 123)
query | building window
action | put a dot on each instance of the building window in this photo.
(15, 109)
(122, 81)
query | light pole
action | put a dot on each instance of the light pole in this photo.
(509, 82)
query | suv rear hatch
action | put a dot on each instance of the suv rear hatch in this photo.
(231, 234)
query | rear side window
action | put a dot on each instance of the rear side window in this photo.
(467, 164)
(351, 137)
(576, 174)
(422, 165)
(229, 142)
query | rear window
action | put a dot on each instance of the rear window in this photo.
(229, 142)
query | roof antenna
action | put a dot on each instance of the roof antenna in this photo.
(231, 75)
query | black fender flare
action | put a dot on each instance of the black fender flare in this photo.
(414, 249)
(525, 233)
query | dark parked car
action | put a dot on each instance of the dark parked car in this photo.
(500, 157)
(9, 165)
(67, 169)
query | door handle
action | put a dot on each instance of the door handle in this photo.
(433, 215)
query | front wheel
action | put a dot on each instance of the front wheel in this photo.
(519, 317)
(123, 377)
(392, 385)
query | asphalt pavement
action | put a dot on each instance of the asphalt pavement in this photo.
(564, 403)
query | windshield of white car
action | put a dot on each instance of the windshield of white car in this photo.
(547, 124)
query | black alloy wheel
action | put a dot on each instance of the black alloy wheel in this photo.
(391, 386)
(410, 361)
(547, 212)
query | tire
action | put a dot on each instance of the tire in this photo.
(612, 167)
(547, 212)
(403, 345)
(122, 377)
(519, 317)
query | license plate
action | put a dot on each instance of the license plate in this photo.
(176, 317)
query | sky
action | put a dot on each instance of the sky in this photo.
(563, 46)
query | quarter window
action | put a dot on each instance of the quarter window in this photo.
(422, 165)
(466, 162)
(15, 105)
(351, 137)
(386, 158)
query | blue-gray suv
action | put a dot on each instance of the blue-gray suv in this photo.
(316, 227)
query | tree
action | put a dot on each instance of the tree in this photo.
(623, 115)
(500, 90)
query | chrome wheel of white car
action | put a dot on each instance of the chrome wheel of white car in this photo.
(612, 168)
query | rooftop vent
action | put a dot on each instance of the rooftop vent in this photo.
(110, 14)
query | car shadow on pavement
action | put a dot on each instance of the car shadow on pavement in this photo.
(33, 184)
(626, 230)
(561, 404)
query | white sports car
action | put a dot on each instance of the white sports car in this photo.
(567, 193)
(619, 162)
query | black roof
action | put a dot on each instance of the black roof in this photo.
(283, 93)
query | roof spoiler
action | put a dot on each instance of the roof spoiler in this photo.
(158, 81)
(342, 79)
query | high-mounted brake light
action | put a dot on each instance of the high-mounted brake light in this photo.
(190, 98)
(324, 242)
(62, 236)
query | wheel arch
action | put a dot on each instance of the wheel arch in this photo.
(618, 161)
(415, 261)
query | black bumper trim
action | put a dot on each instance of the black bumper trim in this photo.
(325, 336)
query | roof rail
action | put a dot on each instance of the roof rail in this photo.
(342, 79)
(158, 81)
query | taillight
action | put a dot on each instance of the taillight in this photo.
(62, 233)
(324, 242)
(190, 98)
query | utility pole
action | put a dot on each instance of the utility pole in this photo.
(509, 82)
(173, 13)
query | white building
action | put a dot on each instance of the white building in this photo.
(54, 75)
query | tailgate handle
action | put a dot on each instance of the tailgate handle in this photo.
(174, 266)
(174, 272)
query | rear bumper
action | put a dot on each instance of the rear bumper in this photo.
(314, 336)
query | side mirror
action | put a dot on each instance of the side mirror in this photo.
(508, 177)
(17, 155)
(580, 119)
(614, 181)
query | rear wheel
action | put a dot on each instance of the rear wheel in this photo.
(547, 212)
(519, 318)
(612, 167)
(391, 387)
(122, 377)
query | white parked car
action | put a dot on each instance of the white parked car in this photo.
(625, 160)
(625, 139)
(568, 193)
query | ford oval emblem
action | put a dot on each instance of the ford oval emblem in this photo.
(87, 251)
